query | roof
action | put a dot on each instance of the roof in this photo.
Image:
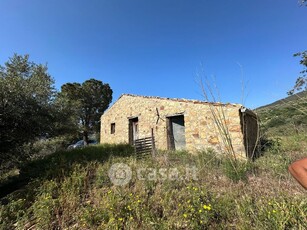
(181, 100)
(243, 109)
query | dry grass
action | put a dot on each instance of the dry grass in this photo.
(85, 198)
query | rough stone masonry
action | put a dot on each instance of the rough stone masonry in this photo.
(175, 123)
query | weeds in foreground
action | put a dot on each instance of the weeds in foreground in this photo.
(235, 167)
(83, 197)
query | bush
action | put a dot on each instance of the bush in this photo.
(237, 170)
(71, 189)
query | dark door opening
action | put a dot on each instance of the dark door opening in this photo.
(176, 133)
(133, 130)
(250, 130)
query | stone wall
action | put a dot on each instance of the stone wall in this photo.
(200, 129)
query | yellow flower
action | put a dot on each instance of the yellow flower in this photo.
(207, 207)
(185, 215)
(120, 219)
(199, 210)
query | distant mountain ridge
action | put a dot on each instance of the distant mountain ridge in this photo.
(287, 116)
(283, 101)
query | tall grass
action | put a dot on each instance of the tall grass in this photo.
(236, 168)
(75, 192)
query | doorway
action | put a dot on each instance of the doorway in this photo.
(176, 133)
(133, 130)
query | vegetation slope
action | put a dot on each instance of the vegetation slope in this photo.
(285, 117)
(72, 189)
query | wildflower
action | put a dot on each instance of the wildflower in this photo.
(274, 211)
(185, 215)
(120, 219)
(139, 201)
(131, 218)
(199, 210)
(207, 207)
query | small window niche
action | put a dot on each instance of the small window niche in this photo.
(112, 128)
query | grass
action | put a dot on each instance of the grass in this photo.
(285, 117)
(72, 190)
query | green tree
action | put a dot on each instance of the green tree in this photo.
(301, 81)
(26, 95)
(86, 102)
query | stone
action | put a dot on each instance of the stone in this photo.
(199, 125)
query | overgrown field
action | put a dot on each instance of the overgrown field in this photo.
(72, 190)
(285, 117)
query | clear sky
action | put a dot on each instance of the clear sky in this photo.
(157, 47)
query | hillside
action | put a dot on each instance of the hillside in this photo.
(284, 101)
(175, 190)
(73, 190)
(287, 116)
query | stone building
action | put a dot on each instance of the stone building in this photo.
(180, 124)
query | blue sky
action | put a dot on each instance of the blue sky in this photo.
(156, 48)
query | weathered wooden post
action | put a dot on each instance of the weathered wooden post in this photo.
(153, 143)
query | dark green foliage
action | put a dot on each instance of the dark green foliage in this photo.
(285, 117)
(85, 103)
(26, 94)
(60, 164)
(236, 170)
(272, 145)
(301, 81)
